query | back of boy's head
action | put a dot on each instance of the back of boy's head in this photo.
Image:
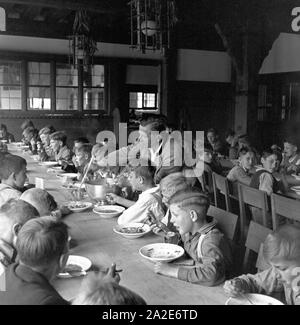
(145, 170)
(11, 164)
(283, 244)
(291, 140)
(174, 180)
(43, 201)
(103, 292)
(59, 136)
(42, 241)
(191, 198)
(26, 124)
(29, 130)
(18, 211)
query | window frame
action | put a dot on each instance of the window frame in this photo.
(145, 89)
(52, 59)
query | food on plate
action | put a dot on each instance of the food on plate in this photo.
(131, 230)
(72, 268)
(106, 211)
(162, 254)
(77, 205)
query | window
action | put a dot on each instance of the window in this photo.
(143, 100)
(39, 86)
(93, 88)
(51, 86)
(66, 87)
(10, 85)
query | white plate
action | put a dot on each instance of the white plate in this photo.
(17, 143)
(81, 261)
(146, 229)
(84, 206)
(55, 170)
(67, 175)
(108, 211)
(256, 299)
(297, 177)
(161, 252)
(48, 163)
(295, 188)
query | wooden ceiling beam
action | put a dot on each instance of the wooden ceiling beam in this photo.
(94, 5)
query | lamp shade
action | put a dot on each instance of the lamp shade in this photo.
(148, 27)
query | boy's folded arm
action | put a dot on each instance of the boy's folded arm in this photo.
(265, 282)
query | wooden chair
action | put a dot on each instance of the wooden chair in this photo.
(220, 185)
(284, 207)
(255, 198)
(227, 221)
(255, 238)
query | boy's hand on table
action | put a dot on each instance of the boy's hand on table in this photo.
(114, 198)
(234, 287)
(166, 269)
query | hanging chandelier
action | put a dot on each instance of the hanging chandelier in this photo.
(82, 46)
(151, 22)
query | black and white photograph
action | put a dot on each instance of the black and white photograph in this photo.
(149, 155)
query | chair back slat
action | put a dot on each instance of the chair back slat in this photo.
(254, 198)
(284, 207)
(220, 185)
(227, 221)
(255, 237)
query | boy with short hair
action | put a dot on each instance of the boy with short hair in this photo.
(95, 291)
(58, 143)
(83, 156)
(281, 250)
(44, 150)
(42, 247)
(13, 215)
(149, 201)
(44, 202)
(202, 241)
(13, 176)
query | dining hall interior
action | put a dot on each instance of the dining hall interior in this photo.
(149, 152)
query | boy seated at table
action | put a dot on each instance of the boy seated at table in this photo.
(241, 172)
(42, 247)
(83, 156)
(13, 176)
(202, 241)
(44, 150)
(291, 159)
(5, 135)
(149, 201)
(58, 143)
(281, 250)
(13, 215)
(263, 179)
(44, 202)
(95, 291)
(31, 136)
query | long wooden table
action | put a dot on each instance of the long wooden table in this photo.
(97, 241)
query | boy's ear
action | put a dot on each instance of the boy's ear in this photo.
(262, 160)
(141, 179)
(16, 228)
(193, 215)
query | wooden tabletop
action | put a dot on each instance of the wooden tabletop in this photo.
(96, 240)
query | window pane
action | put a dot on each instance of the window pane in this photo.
(149, 100)
(93, 99)
(66, 75)
(94, 77)
(10, 73)
(39, 98)
(136, 100)
(66, 98)
(10, 97)
(39, 73)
